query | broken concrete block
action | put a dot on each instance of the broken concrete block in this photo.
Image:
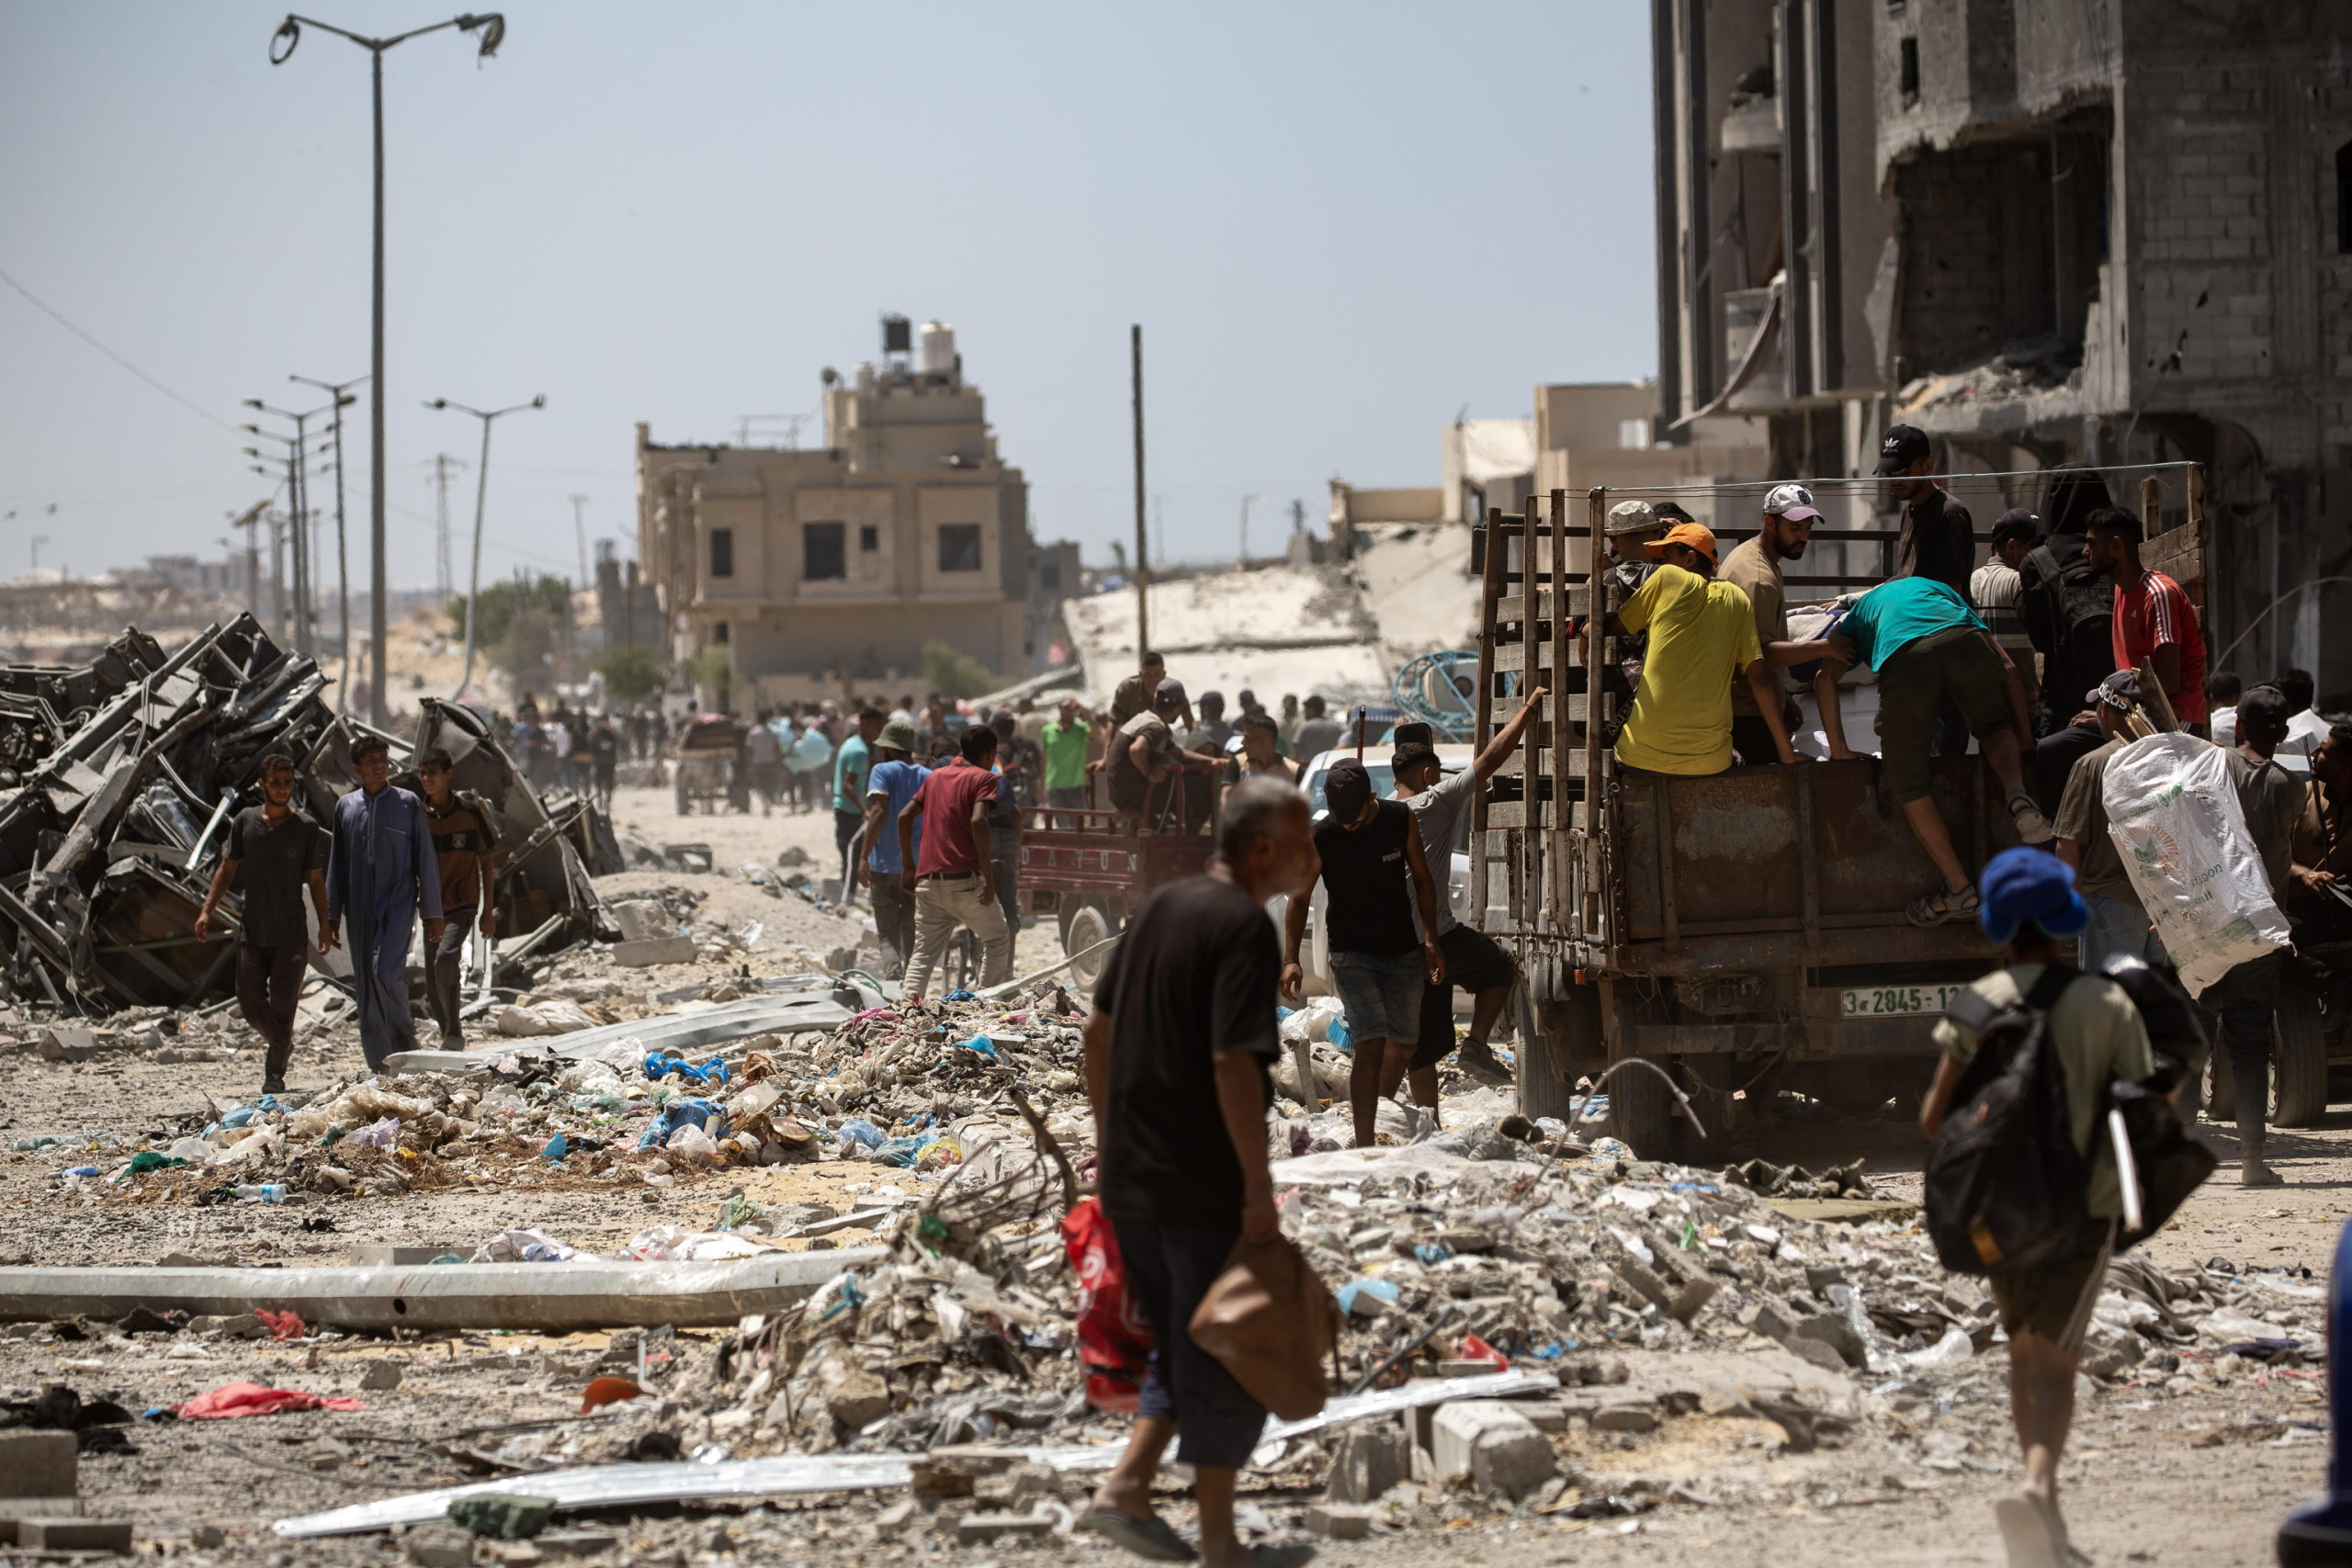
(1493, 1444)
(1370, 1459)
(1340, 1521)
(1814, 1351)
(1625, 1418)
(438, 1545)
(974, 1528)
(1690, 1298)
(13, 1509)
(61, 1044)
(933, 1479)
(380, 1375)
(896, 1516)
(73, 1534)
(1467, 1367)
(656, 950)
(240, 1325)
(575, 1543)
(1834, 1332)
(39, 1464)
(1549, 1416)
(854, 1396)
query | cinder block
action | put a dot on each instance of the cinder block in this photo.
(1493, 1444)
(972, 1529)
(73, 1534)
(39, 1464)
(1625, 1418)
(654, 949)
(1340, 1521)
(1371, 1458)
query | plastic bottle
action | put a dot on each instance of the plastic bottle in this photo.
(260, 1192)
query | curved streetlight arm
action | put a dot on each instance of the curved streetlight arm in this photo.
(289, 31)
(481, 496)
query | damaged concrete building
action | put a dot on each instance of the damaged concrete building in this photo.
(813, 568)
(2062, 230)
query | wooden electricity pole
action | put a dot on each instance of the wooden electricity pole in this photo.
(1143, 559)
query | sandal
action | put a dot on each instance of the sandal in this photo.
(1150, 1538)
(1941, 906)
(2032, 825)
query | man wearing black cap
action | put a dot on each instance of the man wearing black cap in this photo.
(1939, 540)
(1382, 957)
(1472, 958)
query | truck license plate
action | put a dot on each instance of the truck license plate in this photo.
(1897, 1001)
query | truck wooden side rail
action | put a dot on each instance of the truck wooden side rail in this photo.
(1744, 929)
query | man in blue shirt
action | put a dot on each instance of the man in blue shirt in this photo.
(889, 785)
(1928, 645)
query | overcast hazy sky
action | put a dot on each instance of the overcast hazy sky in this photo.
(1340, 223)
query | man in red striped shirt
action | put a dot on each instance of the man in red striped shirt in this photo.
(2154, 622)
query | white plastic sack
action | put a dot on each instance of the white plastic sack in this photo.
(2175, 818)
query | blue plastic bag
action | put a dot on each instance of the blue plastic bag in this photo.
(676, 1115)
(858, 1133)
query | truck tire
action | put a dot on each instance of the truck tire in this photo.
(1081, 929)
(2221, 1087)
(1641, 1107)
(1551, 1039)
(2298, 1059)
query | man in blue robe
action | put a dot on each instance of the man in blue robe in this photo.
(381, 874)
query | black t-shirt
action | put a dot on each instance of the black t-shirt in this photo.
(273, 866)
(1939, 541)
(2055, 756)
(607, 744)
(1195, 975)
(1368, 904)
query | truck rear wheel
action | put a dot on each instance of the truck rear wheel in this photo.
(1641, 1107)
(2299, 1064)
(1081, 929)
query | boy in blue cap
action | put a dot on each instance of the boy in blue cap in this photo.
(2029, 903)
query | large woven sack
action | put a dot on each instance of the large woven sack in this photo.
(1269, 1321)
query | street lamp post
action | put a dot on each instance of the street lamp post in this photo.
(481, 496)
(342, 399)
(298, 503)
(493, 28)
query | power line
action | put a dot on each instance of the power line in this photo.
(46, 309)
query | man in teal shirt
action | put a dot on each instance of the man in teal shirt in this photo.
(1063, 744)
(1927, 645)
(851, 764)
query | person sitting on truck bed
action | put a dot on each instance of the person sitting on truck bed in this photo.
(1754, 568)
(1702, 636)
(1472, 958)
(1142, 754)
(1380, 964)
(1927, 645)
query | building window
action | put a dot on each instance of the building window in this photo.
(869, 538)
(722, 634)
(1050, 576)
(722, 552)
(2344, 200)
(959, 546)
(821, 552)
(1910, 82)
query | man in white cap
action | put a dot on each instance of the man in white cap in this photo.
(1754, 568)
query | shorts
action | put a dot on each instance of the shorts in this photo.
(1958, 664)
(1382, 996)
(1475, 963)
(1129, 789)
(2054, 1301)
(1170, 1269)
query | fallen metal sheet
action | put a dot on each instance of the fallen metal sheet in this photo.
(562, 1298)
(666, 1032)
(619, 1485)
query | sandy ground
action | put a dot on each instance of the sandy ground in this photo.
(2199, 1476)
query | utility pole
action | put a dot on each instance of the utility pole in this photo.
(1143, 570)
(493, 28)
(579, 527)
(442, 464)
(38, 541)
(1244, 562)
(339, 396)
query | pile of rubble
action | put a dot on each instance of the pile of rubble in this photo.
(129, 772)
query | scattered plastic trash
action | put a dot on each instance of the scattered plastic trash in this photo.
(231, 1400)
(255, 1191)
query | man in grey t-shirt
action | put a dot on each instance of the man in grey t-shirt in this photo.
(1472, 958)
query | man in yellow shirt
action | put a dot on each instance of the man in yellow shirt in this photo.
(1702, 637)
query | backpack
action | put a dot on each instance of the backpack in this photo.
(2069, 615)
(2006, 1188)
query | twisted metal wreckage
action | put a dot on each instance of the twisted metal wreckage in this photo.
(127, 772)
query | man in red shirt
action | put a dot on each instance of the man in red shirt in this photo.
(2154, 622)
(954, 878)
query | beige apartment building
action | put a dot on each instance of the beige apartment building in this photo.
(829, 569)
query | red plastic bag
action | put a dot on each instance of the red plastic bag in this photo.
(1113, 1339)
(1476, 1349)
(232, 1399)
(282, 1324)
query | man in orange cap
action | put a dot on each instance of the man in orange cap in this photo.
(1702, 637)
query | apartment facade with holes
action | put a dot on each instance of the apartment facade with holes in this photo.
(829, 570)
(2042, 231)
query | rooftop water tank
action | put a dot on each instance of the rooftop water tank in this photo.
(936, 349)
(866, 376)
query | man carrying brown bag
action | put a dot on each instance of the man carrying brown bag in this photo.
(1177, 1049)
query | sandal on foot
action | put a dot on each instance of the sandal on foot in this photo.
(2032, 825)
(1150, 1538)
(1941, 906)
